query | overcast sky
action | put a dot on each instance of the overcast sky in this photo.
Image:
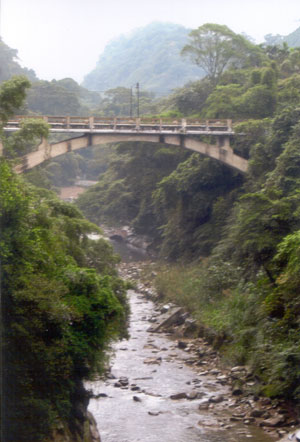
(64, 38)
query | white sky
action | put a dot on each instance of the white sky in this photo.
(64, 38)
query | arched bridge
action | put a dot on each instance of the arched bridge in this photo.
(92, 131)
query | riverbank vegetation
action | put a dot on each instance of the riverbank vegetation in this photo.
(62, 301)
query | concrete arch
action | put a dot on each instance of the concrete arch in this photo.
(221, 151)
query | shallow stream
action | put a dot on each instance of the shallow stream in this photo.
(154, 368)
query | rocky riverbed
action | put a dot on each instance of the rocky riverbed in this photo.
(166, 386)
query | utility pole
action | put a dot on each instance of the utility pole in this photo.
(130, 112)
(138, 99)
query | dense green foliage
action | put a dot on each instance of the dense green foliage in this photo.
(62, 301)
(120, 193)
(241, 233)
(150, 55)
(215, 48)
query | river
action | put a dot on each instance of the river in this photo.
(135, 403)
(154, 368)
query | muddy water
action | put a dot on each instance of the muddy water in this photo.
(143, 410)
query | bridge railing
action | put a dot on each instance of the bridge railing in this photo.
(125, 123)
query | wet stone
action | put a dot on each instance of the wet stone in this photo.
(216, 399)
(257, 413)
(204, 405)
(178, 396)
(273, 422)
(192, 395)
(151, 361)
(99, 395)
(237, 391)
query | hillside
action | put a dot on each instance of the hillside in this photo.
(230, 242)
(149, 55)
(47, 97)
(9, 64)
(292, 39)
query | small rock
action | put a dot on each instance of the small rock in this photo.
(257, 413)
(239, 414)
(216, 399)
(178, 396)
(123, 381)
(222, 377)
(110, 376)
(165, 309)
(152, 361)
(153, 413)
(238, 368)
(97, 396)
(273, 422)
(265, 401)
(137, 399)
(192, 395)
(204, 405)
(182, 344)
(237, 391)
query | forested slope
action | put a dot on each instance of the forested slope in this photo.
(61, 300)
(149, 55)
(292, 39)
(236, 237)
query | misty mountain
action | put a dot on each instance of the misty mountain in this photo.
(150, 56)
(9, 64)
(292, 39)
(47, 97)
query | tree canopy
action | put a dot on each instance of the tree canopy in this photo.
(215, 48)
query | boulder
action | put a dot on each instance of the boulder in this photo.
(169, 319)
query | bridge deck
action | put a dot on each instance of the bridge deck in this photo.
(127, 125)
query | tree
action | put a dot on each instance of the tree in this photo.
(12, 95)
(51, 98)
(215, 47)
